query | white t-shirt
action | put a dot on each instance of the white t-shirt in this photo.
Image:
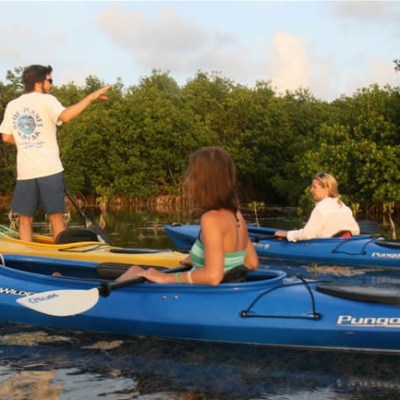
(33, 118)
(328, 217)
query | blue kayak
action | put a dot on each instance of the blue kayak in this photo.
(360, 250)
(268, 308)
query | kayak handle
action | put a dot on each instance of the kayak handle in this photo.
(313, 315)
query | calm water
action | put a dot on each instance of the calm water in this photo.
(36, 363)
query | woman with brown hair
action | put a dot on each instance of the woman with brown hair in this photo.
(223, 242)
(330, 215)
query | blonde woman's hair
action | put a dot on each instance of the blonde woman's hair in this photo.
(328, 181)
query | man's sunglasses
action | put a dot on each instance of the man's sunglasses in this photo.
(49, 80)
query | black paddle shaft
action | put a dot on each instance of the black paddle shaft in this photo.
(89, 223)
(105, 288)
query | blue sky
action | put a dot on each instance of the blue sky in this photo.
(331, 48)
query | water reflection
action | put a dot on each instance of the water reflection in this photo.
(154, 369)
(35, 385)
(144, 227)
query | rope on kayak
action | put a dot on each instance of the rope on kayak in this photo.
(2, 259)
(79, 249)
(361, 253)
(314, 315)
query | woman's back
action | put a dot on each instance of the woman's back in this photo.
(223, 244)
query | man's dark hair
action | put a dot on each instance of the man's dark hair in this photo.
(33, 74)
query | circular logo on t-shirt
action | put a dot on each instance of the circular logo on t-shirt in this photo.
(26, 124)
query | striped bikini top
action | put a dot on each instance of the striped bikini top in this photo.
(231, 260)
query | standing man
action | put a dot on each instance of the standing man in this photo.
(30, 122)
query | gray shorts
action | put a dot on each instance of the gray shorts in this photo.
(48, 191)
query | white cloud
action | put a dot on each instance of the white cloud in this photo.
(150, 41)
(171, 43)
(377, 71)
(24, 45)
(289, 63)
(368, 11)
(12, 49)
(350, 47)
(294, 63)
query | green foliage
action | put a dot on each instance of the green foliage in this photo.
(137, 142)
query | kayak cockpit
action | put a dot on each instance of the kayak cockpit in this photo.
(108, 271)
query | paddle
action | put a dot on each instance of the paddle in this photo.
(257, 238)
(260, 230)
(89, 223)
(68, 302)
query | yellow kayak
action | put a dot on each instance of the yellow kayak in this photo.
(44, 246)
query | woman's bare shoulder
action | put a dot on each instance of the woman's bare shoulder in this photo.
(211, 217)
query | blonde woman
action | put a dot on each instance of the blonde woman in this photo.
(223, 243)
(329, 216)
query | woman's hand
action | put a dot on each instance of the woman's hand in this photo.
(132, 273)
(150, 274)
(186, 261)
(155, 276)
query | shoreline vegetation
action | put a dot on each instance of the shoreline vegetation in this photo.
(255, 213)
(165, 204)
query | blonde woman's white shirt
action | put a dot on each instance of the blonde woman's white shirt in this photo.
(328, 217)
(33, 119)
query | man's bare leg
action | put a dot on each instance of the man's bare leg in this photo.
(57, 224)
(25, 228)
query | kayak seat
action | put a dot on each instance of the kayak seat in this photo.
(343, 234)
(237, 274)
(75, 235)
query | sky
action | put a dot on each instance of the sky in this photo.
(331, 48)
